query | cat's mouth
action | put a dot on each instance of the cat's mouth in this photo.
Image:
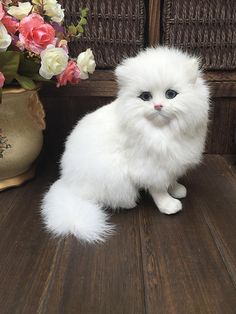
(160, 118)
(158, 115)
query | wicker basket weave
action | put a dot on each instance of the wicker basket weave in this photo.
(204, 27)
(115, 28)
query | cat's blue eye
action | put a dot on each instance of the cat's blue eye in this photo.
(170, 94)
(146, 96)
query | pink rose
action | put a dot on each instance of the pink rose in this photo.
(35, 34)
(70, 74)
(10, 23)
(2, 12)
(2, 79)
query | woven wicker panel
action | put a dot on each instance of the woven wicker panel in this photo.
(204, 27)
(115, 28)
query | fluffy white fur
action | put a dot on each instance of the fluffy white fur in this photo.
(127, 145)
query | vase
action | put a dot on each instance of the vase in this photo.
(21, 137)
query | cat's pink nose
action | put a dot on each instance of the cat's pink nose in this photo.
(158, 106)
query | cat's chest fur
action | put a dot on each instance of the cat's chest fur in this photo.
(158, 156)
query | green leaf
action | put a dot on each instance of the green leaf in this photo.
(28, 67)
(72, 29)
(25, 81)
(84, 12)
(83, 21)
(9, 63)
(38, 77)
(79, 28)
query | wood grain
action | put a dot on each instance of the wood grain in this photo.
(26, 254)
(101, 88)
(40, 274)
(219, 177)
(153, 264)
(220, 76)
(154, 22)
(103, 84)
(190, 258)
(102, 279)
(222, 126)
(223, 89)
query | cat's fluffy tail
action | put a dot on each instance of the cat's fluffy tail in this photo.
(65, 212)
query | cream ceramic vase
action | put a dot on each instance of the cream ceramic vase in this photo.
(21, 138)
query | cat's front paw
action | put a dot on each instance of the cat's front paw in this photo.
(170, 206)
(178, 190)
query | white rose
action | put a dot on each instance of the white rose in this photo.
(5, 38)
(54, 10)
(21, 11)
(86, 63)
(53, 61)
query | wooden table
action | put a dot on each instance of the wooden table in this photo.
(154, 263)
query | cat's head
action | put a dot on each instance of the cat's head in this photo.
(162, 84)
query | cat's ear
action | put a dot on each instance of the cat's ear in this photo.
(193, 69)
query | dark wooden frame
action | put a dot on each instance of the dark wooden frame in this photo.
(103, 84)
(154, 9)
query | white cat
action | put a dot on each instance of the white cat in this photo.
(146, 139)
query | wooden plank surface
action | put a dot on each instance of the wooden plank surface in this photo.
(103, 84)
(102, 279)
(222, 124)
(44, 275)
(153, 264)
(190, 258)
(219, 207)
(220, 76)
(154, 22)
(26, 255)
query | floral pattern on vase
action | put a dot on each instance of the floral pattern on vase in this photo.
(22, 119)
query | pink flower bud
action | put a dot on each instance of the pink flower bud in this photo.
(71, 74)
(2, 79)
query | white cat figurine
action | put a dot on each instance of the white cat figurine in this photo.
(146, 139)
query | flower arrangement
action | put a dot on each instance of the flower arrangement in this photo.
(34, 45)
